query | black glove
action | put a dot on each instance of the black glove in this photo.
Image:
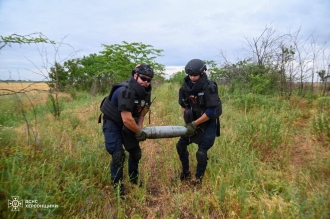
(191, 128)
(141, 136)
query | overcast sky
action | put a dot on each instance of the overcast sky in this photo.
(184, 29)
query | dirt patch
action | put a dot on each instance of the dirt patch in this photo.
(306, 147)
(302, 150)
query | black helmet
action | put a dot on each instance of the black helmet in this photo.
(195, 67)
(143, 69)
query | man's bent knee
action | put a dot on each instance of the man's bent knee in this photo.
(201, 156)
(118, 158)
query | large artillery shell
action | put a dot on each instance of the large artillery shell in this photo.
(164, 131)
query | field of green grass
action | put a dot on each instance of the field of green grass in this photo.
(272, 160)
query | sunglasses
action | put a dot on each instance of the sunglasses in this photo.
(145, 78)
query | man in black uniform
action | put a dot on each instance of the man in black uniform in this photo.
(124, 110)
(201, 109)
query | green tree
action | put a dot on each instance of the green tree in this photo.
(324, 79)
(214, 70)
(122, 58)
(177, 77)
(59, 76)
(97, 72)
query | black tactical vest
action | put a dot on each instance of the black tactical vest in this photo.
(132, 98)
(202, 95)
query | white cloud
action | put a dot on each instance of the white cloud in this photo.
(169, 70)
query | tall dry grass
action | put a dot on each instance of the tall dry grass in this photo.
(22, 87)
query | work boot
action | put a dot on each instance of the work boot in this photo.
(120, 189)
(136, 181)
(197, 182)
(184, 175)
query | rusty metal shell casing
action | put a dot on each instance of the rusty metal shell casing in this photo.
(154, 132)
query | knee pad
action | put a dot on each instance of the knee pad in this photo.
(118, 158)
(136, 153)
(201, 156)
(180, 148)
